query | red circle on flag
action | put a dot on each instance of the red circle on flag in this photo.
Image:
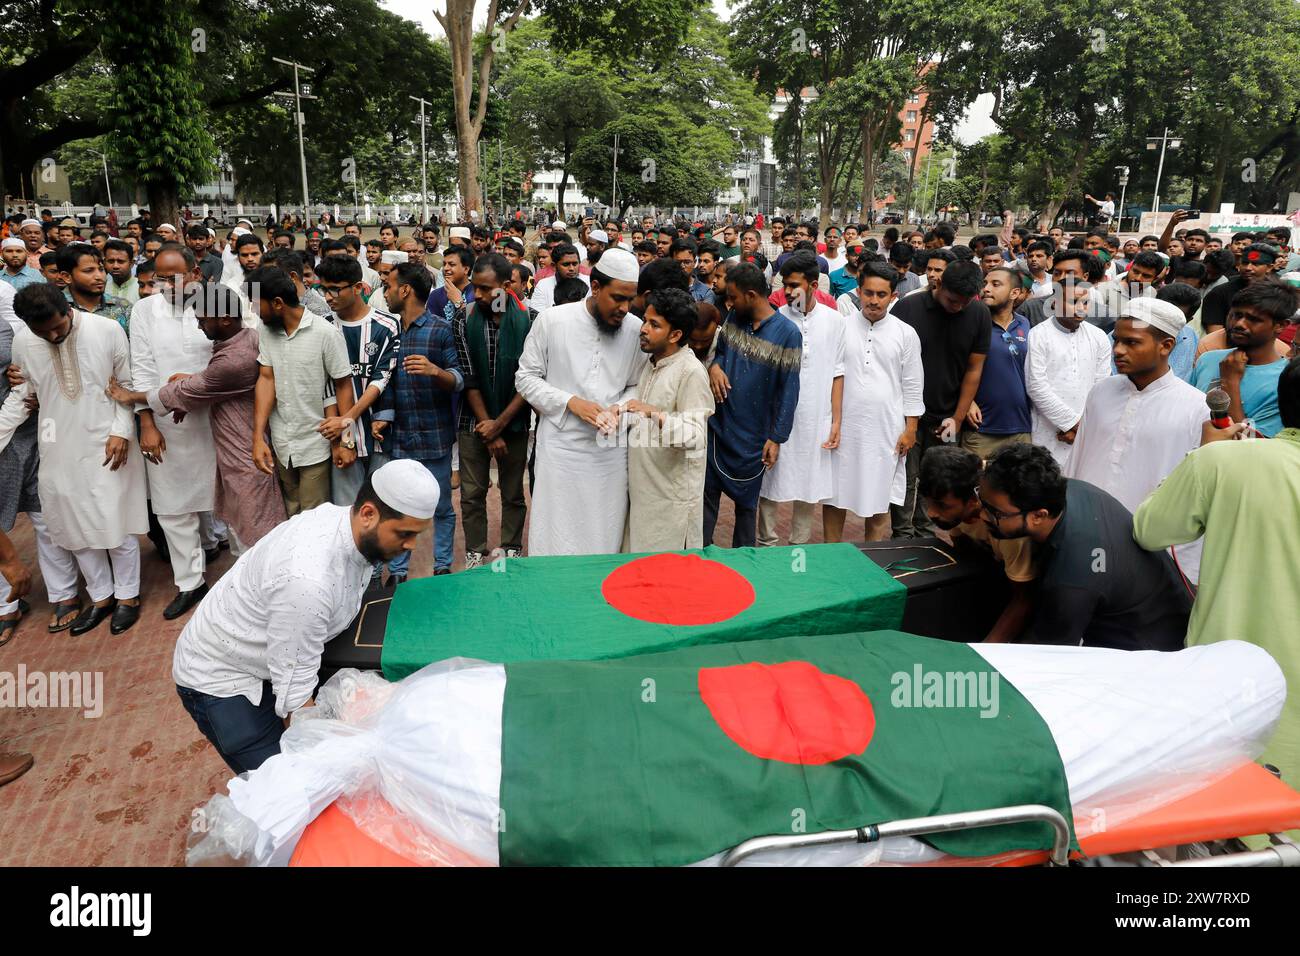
(680, 589)
(793, 712)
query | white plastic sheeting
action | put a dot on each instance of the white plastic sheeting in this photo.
(1135, 730)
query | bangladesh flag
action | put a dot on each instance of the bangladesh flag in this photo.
(594, 607)
(670, 758)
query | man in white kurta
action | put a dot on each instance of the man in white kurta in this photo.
(803, 472)
(1138, 425)
(668, 434)
(91, 478)
(883, 402)
(166, 340)
(580, 364)
(1067, 356)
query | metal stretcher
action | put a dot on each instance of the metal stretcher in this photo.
(1200, 830)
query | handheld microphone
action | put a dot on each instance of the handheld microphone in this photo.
(1218, 401)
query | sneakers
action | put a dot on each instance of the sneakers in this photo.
(473, 559)
(514, 553)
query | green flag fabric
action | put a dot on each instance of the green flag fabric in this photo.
(761, 737)
(606, 606)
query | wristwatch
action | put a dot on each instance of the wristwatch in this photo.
(348, 439)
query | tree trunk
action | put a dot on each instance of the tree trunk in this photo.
(164, 203)
(470, 104)
(564, 175)
(867, 198)
(1220, 168)
(796, 102)
(911, 179)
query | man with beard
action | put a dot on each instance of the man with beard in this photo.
(301, 356)
(180, 457)
(15, 271)
(1258, 262)
(755, 380)
(579, 366)
(1097, 588)
(597, 242)
(248, 659)
(949, 487)
(91, 477)
(803, 474)
(117, 263)
(33, 237)
(82, 275)
(247, 499)
(1000, 412)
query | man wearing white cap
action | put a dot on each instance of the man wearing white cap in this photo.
(597, 242)
(1138, 425)
(15, 272)
(389, 260)
(33, 236)
(580, 364)
(459, 236)
(249, 656)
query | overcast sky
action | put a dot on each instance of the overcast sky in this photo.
(975, 125)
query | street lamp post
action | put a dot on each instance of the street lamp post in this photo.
(298, 96)
(1123, 191)
(1166, 141)
(613, 188)
(424, 160)
(107, 185)
(928, 156)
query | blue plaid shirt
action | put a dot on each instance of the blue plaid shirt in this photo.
(422, 414)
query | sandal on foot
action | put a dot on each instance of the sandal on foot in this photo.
(8, 628)
(62, 609)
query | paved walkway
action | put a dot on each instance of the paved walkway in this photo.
(120, 789)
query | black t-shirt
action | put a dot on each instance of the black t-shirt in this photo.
(1098, 588)
(947, 343)
(1214, 307)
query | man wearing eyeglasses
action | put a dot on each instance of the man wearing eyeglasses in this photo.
(180, 457)
(1097, 588)
(1000, 413)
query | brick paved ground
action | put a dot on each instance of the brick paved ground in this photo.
(119, 790)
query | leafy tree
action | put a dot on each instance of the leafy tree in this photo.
(553, 98)
(161, 137)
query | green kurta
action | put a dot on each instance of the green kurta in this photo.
(1244, 496)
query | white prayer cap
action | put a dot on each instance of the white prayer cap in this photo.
(212, 232)
(407, 487)
(1165, 316)
(12, 243)
(394, 257)
(167, 225)
(249, 221)
(617, 263)
(598, 235)
(30, 222)
(239, 231)
(559, 224)
(460, 232)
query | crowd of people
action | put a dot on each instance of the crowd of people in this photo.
(1040, 397)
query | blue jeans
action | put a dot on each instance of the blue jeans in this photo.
(244, 735)
(444, 520)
